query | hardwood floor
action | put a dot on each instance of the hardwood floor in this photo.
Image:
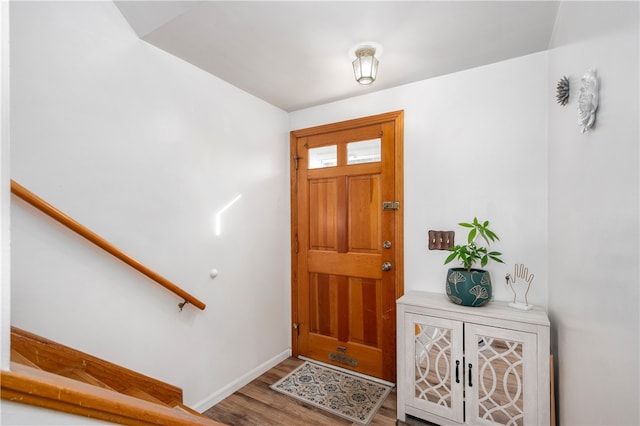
(257, 404)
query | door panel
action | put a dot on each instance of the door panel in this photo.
(323, 318)
(363, 214)
(343, 303)
(504, 376)
(361, 265)
(437, 380)
(365, 312)
(323, 214)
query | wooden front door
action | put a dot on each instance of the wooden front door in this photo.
(347, 263)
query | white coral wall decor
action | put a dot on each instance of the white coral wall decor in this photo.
(562, 91)
(588, 100)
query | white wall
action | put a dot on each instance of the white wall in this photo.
(144, 149)
(593, 217)
(5, 288)
(475, 145)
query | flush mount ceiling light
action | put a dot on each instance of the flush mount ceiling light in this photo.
(365, 66)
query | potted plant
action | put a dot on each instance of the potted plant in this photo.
(466, 285)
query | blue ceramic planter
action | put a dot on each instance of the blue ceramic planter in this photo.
(468, 288)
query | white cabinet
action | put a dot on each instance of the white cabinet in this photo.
(479, 366)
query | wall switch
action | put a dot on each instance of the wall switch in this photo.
(441, 240)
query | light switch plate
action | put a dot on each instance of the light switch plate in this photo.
(441, 240)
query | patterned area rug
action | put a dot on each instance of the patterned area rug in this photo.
(342, 394)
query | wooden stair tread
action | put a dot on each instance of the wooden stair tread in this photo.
(59, 359)
(140, 394)
(48, 374)
(38, 387)
(85, 377)
(21, 359)
(181, 407)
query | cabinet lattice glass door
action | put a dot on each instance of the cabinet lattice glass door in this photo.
(501, 389)
(436, 382)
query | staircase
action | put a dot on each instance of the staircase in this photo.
(51, 375)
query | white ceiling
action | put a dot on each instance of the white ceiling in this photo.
(296, 54)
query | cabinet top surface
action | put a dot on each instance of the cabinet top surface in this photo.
(494, 309)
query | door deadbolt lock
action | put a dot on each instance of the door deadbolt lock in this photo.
(386, 266)
(387, 244)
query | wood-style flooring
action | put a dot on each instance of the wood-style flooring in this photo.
(257, 404)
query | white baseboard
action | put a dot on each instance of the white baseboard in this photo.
(229, 389)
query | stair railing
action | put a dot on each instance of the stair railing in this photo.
(37, 202)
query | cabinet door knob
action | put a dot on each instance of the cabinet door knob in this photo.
(470, 384)
(458, 371)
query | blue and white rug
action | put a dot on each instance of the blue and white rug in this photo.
(345, 395)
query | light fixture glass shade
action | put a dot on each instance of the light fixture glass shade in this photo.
(365, 66)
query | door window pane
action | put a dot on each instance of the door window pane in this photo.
(324, 156)
(364, 152)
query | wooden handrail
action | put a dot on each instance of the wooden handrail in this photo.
(96, 239)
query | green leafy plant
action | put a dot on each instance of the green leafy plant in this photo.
(471, 253)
